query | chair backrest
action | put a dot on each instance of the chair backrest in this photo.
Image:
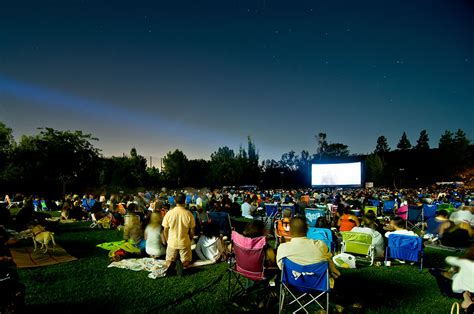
(357, 242)
(312, 215)
(375, 203)
(223, 220)
(370, 208)
(271, 210)
(292, 207)
(388, 206)
(415, 214)
(321, 234)
(402, 212)
(249, 255)
(404, 247)
(308, 278)
(429, 210)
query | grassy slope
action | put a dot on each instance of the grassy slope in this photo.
(88, 285)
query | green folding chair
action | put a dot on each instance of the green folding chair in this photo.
(358, 243)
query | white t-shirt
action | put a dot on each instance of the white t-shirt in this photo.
(462, 280)
(246, 209)
(403, 232)
(462, 216)
(377, 239)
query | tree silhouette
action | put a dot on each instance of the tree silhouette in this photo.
(422, 142)
(404, 143)
(382, 145)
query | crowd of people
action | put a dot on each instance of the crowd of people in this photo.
(174, 225)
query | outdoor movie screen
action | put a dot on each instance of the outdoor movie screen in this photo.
(336, 174)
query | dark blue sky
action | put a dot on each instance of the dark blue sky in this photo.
(197, 75)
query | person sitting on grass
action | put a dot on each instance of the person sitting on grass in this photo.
(179, 227)
(459, 279)
(304, 251)
(210, 246)
(154, 237)
(133, 232)
(397, 226)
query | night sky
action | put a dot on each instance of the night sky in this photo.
(198, 75)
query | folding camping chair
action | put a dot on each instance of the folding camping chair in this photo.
(249, 262)
(358, 243)
(405, 247)
(223, 220)
(388, 206)
(322, 234)
(373, 209)
(414, 220)
(303, 282)
(313, 214)
(288, 206)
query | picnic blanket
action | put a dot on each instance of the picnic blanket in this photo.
(25, 257)
(127, 246)
(156, 267)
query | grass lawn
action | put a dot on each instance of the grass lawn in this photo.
(88, 285)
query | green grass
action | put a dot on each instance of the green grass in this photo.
(88, 285)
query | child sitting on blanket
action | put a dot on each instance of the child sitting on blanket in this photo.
(133, 231)
(154, 236)
(210, 246)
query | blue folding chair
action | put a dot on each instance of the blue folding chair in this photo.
(312, 215)
(322, 234)
(375, 203)
(388, 206)
(429, 211)
(405, 247)
(288, 206)
(223, 220)
(271, 210)
(302, 283)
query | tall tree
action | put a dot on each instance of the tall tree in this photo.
(423, 141)
(446, 141)
(176, 167)
(404, 143)
(322, 145)
(382, 145)
(375, 168)
(223, 167)
(6, 138)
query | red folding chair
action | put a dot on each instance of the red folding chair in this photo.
(247, 262)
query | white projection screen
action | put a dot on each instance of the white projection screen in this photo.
(336, 174)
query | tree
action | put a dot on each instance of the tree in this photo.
(382, 145)
(336, 150)
(404, 143)
(6, 138)
(446, 141)
(223, 167)
(322, 145)
(52, 158)
(176, 167)
(422, 142)
(375, 168)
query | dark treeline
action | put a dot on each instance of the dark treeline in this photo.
(53, 162)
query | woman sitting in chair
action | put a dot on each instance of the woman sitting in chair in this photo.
(255, 229)
(348, 220)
